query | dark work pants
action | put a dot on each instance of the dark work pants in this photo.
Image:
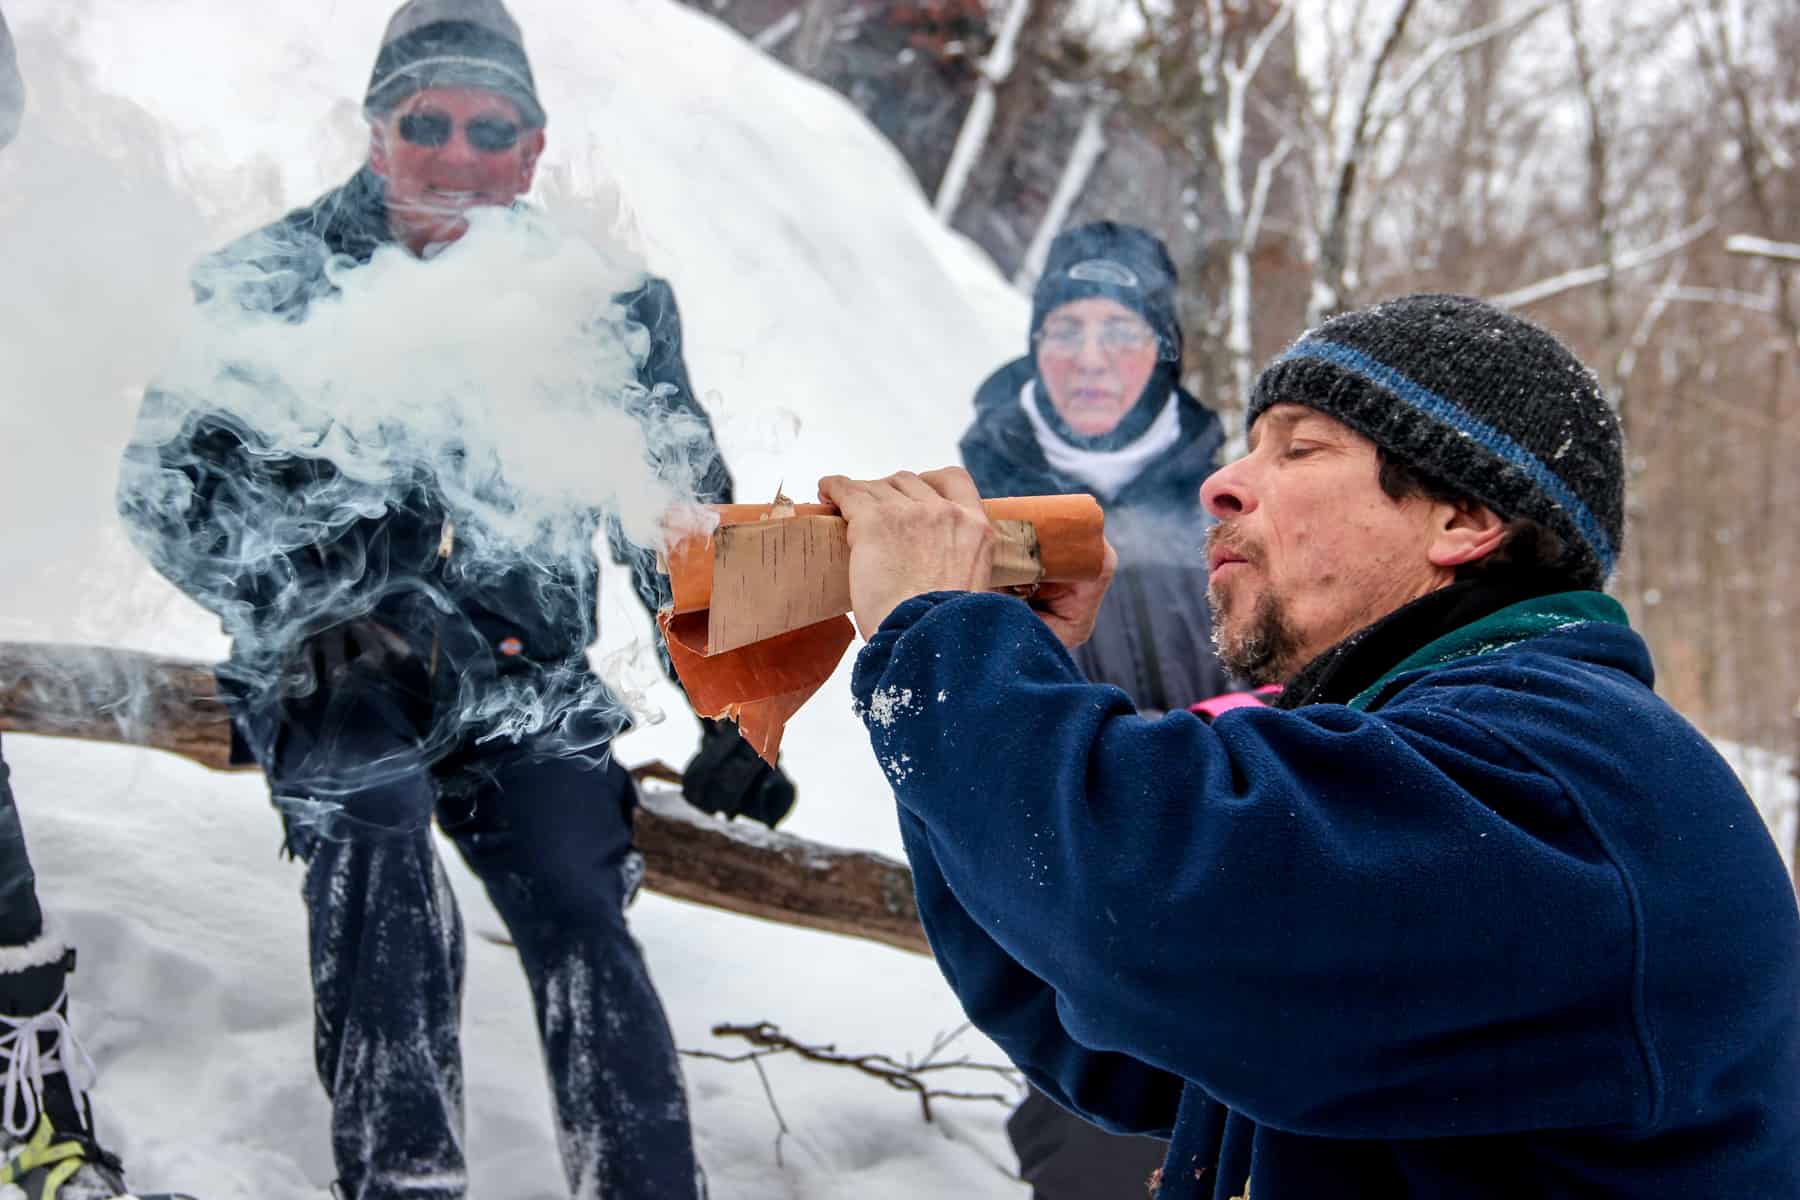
(550, 838)
(21, 920)
(1063, 1157)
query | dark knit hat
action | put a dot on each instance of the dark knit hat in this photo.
(1488, 403)
(468, 43)
(1119, 262)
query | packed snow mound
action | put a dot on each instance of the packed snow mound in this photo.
(832, 325)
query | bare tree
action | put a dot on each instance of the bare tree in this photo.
(973, 138)
(1089, 145)
(1227, 71)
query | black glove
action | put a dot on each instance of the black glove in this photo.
(726, 776)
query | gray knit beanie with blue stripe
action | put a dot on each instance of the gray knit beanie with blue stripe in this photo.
(1475, 397)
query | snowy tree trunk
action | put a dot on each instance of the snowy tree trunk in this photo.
(770, 39)
(972, 138)
(1090, 144)
(1334, 264)
(1756, 247)
(1228, 81)
(1331, 267)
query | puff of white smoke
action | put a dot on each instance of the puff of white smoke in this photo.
(504, 365)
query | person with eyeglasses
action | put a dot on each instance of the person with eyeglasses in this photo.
(455, 125)
(1097, 406)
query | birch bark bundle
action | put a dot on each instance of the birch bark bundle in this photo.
(757, 623)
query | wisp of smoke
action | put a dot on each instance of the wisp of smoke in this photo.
(96, 236)
(487, 399)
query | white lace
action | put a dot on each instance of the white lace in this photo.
(27, 1063)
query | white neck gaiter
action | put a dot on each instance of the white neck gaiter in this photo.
(1108, 472)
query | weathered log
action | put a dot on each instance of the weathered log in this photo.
(104, 694)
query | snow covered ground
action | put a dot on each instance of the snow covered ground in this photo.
(832, 325)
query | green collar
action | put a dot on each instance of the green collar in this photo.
(1508, 627)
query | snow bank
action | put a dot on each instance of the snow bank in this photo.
(832, 326)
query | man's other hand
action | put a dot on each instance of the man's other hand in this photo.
(1069, 609)
(364, 644)
(911, 534)
(728, 778)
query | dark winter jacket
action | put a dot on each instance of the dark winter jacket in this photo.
(390, 566)
(1153, 635)
(1505, 925)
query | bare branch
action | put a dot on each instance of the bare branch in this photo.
(754, 1058)
(1727, 297)
(777, 32)
(971, 139)
(1758, 153)
(1395, 98)
(905, 1077)
(1259, 192)
(1556, 285)
(1599, 151)
(1743, 243)
(1265, 38)
(1627, 361)
(1331, 266)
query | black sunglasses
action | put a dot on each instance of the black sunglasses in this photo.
(489, 134)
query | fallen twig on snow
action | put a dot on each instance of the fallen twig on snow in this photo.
(902, 1076)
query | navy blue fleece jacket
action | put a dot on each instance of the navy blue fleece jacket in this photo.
(1504, 926)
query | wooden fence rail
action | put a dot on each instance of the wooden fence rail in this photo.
(104, 694)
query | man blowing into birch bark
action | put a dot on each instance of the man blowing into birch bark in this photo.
(1470, 913)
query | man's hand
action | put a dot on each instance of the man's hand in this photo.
(364, 644)
(911, 534)
(1069, 609)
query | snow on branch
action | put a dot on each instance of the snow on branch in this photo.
(1332, 265)
(1395, 97)
(1743, 243)
(1227, 82)
(1090, 144)
(1543, 289)
(972, 138)
(1265, 38)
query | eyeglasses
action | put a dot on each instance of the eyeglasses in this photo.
(1115, 337)
(431, 128)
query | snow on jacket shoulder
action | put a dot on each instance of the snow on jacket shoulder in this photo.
(1512, 928)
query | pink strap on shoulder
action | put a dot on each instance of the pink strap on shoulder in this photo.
(1211, 708)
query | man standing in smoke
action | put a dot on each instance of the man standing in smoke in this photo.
(362, 646)
(48, 1146)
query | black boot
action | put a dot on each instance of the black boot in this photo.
(46, 1125)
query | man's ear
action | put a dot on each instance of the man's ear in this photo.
(378, 155)
(531, 146)
(1464, 533)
